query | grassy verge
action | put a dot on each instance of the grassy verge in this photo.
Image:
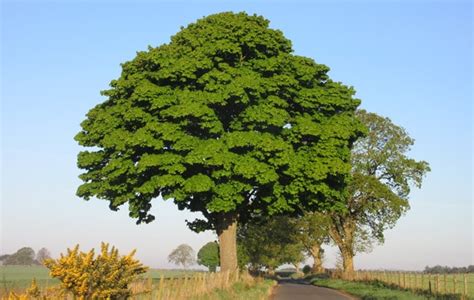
(173, 285)
(367, 291)
(19, 277)
(241, 291)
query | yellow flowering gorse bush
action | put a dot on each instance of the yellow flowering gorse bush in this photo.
(105, 276)
(33, 290)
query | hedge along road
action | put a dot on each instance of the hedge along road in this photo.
(301, 290)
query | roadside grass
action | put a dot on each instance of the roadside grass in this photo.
(20, 277)
(369, 291)
(241, 291)
(155, 284)
(452, 285)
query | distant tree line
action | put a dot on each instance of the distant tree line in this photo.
(448, 270)
(25, 256)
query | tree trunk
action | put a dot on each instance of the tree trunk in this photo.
(347, 264)
(227, 233)
(271, 271)
(343, 235)
(316, 253)
(297, 268)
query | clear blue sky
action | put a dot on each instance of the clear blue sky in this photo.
(409, 60)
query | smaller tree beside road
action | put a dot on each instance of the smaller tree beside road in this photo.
(208, 256)
(382, 177)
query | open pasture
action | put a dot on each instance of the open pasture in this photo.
(20, 277)
(437, 284)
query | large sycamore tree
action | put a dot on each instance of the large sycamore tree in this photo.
(382, 177)
(224, 120)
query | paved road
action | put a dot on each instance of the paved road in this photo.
(300, 290)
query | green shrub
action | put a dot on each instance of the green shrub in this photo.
(307, 269)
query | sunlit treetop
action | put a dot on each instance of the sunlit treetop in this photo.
(223, 119)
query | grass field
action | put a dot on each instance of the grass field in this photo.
(20, 277)
(366, 291)
(156, 284)
(448, 284)
(240, 291)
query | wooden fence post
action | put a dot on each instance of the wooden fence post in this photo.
(437, 283)
(429, 284)
(454, 283)
(160, 286)
(445, 284)
(465, 285)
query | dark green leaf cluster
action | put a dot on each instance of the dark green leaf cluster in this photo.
(271, 242)
(208, 256)
(313, 229)
(224, 118)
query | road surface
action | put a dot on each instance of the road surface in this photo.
(301, 290)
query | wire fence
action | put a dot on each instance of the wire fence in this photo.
(458, 285)
(197, 286)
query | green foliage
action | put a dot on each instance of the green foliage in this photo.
(243, 258)
(382, 176)
(224, 118)
(271, 242)
(208, 256)
(313, 231)
(314, 228)
(182, 255)
(24, 256)
(307, 269)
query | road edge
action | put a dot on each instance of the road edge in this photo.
(342, 293)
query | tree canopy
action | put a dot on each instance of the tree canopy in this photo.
(208, 256)
(382, 177)
(224, 120)
(271, 242)
(42, 255)
(182, 255)
(24, 256)
(313, 232)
